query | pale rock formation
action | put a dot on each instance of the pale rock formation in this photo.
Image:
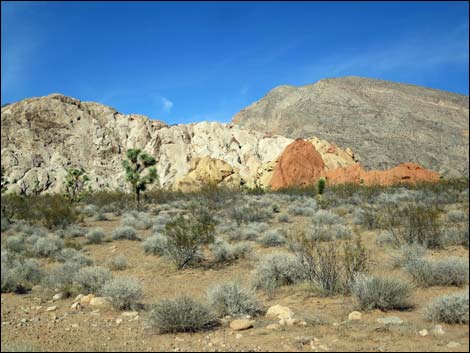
(42, 137)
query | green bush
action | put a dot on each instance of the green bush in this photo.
(232, 299)
(186, 235)
(182, 314)
(450, 309)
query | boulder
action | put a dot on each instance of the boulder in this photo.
(241, 324)
(280, 312)
(299, 165)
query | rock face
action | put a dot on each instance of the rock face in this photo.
(403, 173)
(208, 170)
(41, 137)
(384, 123)
(300, 165)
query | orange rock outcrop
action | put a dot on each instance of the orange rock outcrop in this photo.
(299, 165)
(302, 165)
(403, 173)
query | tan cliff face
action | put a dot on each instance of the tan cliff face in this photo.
(41, 137)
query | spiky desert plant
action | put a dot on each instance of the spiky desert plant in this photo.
(75, 182)
(321, 186)
(135, 165)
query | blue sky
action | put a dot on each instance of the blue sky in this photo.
(193, 61)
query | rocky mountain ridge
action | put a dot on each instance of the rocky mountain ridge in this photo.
(43, 136)
(383, 122)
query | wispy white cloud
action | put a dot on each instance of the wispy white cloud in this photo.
(166, 104)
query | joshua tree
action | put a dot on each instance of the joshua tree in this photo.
(135, 165)
(75, 182)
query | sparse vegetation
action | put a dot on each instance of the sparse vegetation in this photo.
(381, 293)
(124, 292)
(450, 309)
(182, 314)
(92, 279)
(232, 299)
(452, 271)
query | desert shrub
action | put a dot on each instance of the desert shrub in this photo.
(5, 224)
(249, 232)
(381, 293)
(124, 292)
(456, 216)
(367, 216)
(100, 216)
(225, 252)
(241, 250)
(125, 233)
(296, 210)
(19, 276)
(73, 231)
(182, 314)
(73, 255)
(186, 235)
(327, 217)
(283, 218)
(450, 309)
(456, 235)
(155, 245)
(61, 277)
(48, 247)
(15, 243)
(408, 253)
(325, 232)
(252, 212)
(137, 220)
(272, 238)
(355, 261)
(92, 279)
(275, 208)
(90, 210)
(414, 224)
(232, 299)
(276, 270)
(385, 238)
(452, 271)
(95, 236)
(56, 213)
(222, 251)
(117, 263)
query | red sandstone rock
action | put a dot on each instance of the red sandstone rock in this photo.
(299, 165)
(403, 173)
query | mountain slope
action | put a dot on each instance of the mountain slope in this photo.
(384, 123)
